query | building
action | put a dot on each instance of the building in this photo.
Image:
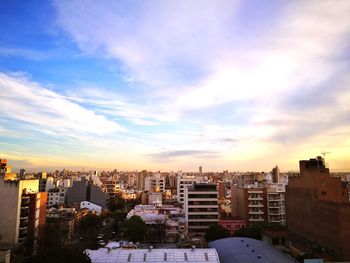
(85, 190)
(56, 196)
(3, 165)
(49, 183)
(155, 198)
(36, 219)
(91, 207)
(65, 221)
(175, 255)
(141, 180)
(318, 208)
(5, 253)
(276, 203)
(201, 206)
(222, 190)
(24, 211)
(249, 203)
(275, 174)
(247, 250)
(232, 225)
(182, 182)
(155, 183)
(42, 181)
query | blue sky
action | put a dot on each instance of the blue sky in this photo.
(170, 85)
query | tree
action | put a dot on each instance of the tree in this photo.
(253, 231)
(88, 226)
(60, 255)
(216, 232)
(116, 203)
(135, 229)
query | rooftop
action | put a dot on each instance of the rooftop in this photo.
(201, 255)
(247, 250)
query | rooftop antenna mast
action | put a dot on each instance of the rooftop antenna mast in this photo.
(324, 155)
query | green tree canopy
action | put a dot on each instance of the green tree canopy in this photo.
(135, 229)
(216, 232)
(116, 203)
(61, 255)
(253, 231)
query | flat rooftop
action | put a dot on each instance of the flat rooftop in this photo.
(247, 250)
(176, 255)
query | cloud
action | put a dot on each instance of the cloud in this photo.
(219, 77)
(185, 153)
(25, 53)
(29, 102)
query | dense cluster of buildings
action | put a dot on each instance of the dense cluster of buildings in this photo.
(310, 210)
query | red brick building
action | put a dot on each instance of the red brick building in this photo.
(221, 190)
(249, 203)
(318, 208)
(36, 219)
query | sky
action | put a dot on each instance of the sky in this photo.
(174, 85)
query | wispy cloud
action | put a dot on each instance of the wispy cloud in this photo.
(29, 102)
(185, 153)
(226, 78)
(25, 53)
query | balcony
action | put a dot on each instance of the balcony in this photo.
(252, 219)
(255, 198)
(277, 198)
(254, 212)
(255, 205)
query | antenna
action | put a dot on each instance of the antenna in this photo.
(324, 154)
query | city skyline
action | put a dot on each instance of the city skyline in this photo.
(169, 85)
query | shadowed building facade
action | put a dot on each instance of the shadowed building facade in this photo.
(318, 208)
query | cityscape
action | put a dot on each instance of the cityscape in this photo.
(209, 131)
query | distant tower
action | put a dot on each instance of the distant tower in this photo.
(275, 174)
(141, 180)
(21, 173)
(200, 170)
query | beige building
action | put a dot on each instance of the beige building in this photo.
(14, 204)
(201, 207)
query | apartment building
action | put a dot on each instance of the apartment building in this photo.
(85, 190)
(249, 203)
(318, 208)
(201, 206)
(276, 203)
(56, 196)
(184, 181)
(23, 209)
(155, 183)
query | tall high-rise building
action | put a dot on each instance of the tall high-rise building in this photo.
(201, 206)
(318, 208)
(23, 212)
(141, 180)
(200, 169)
(275, 174)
